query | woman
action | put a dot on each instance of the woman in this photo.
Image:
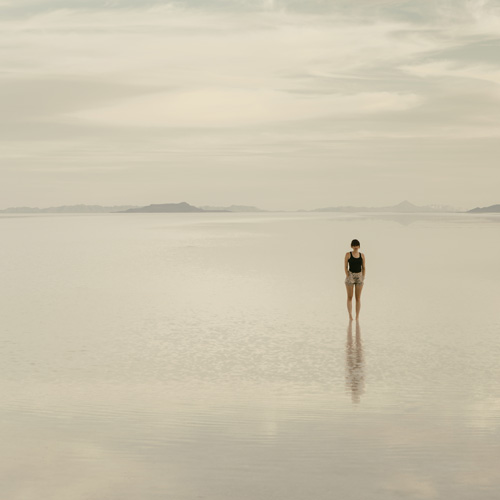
(355, 276)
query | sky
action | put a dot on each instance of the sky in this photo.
(282, 104)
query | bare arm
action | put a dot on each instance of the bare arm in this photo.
(346, 264)
(364, 264)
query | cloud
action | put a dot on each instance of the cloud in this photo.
(151, 81)
(455, 69)
(235, 107)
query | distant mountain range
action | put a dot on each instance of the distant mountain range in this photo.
(490, 209)
(169, 207)
(186, 207)
(155, 208)
(67, 209)
(403, 207)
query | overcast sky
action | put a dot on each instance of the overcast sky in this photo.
(286, 104)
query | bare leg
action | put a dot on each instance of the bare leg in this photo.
(350, 289)
(359, 289)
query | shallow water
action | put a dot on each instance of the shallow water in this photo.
(210, 356)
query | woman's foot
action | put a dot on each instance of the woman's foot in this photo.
(350, 317)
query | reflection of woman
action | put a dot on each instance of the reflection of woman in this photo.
(355, 364)
(355, 267)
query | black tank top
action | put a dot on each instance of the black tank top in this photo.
(355, 264)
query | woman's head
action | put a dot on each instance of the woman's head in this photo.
(355, 243)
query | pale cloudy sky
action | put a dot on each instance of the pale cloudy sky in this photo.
(284, 104)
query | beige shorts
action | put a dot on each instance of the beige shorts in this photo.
(354, 278)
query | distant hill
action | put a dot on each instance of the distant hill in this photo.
(67, 209)
(167, 207)
(403, 207)
(233, 208)
(162, 207)
(490, 209)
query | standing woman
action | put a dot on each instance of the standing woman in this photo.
(355, 276)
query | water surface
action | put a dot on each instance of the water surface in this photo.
(210, 356)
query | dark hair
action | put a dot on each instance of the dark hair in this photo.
(355, 243)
